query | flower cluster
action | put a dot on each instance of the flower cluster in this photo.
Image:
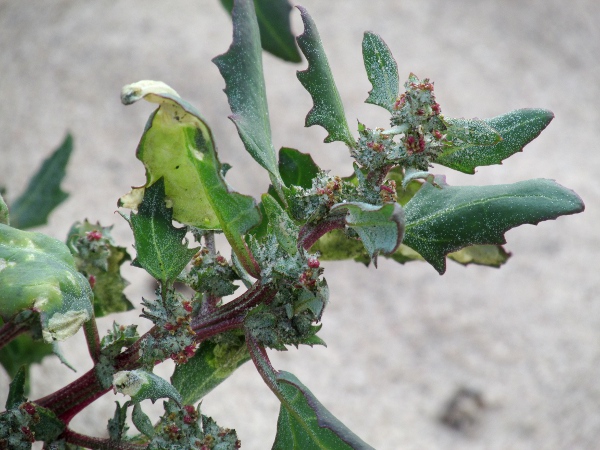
(184, 428)
(416, 135)
(174, 338)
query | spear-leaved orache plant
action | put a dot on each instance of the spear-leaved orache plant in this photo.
(391, 206)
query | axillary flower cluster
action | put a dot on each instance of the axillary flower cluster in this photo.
(416, 135)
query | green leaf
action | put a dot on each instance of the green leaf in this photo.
(380, 227)
(178, 145)
(38, 272)
(43, 193)
(305, 423)
(516, 128)
(22, 352)
(49, 427)
(317, 79)
(297, 169)
(16, 390)
(336, 246)
(241, 68)
(274, 24)
(117, 426)
(285, 230)
(142, 421)
(443, 220)
(141, 385)
(3, 212)
(482, 255)
(210, 366)
(161, 248)
(382, 71)
(463, 133)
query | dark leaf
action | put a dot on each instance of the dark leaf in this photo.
(446, 219)
(274, 24)
(16, 390)
(49, 426)
(296, 168)
(305, 423)
(43, 193)
(161, 248)
(142, 421)
(23, 351)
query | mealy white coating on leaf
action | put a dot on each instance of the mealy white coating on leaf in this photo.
(4, 264)
(62, 326)
(129, 382)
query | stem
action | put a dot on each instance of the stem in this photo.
(75, 438)
(9, 331)
(310, 233)
(74, 397)
(258, 293)
(210, 301)
(262, 362)
(90, 329)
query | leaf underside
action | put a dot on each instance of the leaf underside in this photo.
(38, 272)
(43, 193)
(443, 220)
(380, 227)
(516, 128)
(317, 79)
(241, 68)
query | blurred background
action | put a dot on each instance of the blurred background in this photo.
(514, 353)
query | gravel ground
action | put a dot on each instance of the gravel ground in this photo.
(521, 343)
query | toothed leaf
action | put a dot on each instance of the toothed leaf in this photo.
(317, 79)
(440, 220)
(516, 128)
(241, 68)
(161, 248)
(43, 193)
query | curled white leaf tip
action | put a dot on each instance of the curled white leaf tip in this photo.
(153, 90)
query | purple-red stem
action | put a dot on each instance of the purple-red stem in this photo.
(310, 233)
(9, 331)
(75, 438)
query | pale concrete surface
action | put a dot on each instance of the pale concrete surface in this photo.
(401, 340)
